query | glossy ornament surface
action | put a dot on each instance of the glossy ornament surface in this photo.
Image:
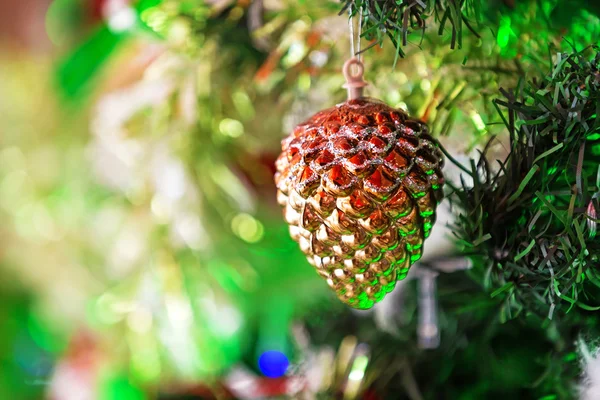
(359, 184)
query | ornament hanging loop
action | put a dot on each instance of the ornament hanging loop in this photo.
(355, 83)
(354, 68)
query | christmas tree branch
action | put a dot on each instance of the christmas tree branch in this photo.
(535, 212)
(397, 19)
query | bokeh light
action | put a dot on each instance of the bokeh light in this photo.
(273, 363)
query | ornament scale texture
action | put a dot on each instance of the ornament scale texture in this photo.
(359, 184)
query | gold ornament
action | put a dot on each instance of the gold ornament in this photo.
(359, 184)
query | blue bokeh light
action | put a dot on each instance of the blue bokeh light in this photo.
(273, 363)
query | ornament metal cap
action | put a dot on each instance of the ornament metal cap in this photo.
(354, 81)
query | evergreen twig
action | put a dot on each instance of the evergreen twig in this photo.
(398, 19)
(534, 214)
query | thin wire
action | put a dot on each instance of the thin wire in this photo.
(353, 51)
(351, 26)
(360, 17)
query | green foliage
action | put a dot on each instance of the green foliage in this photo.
(521, 28)
(397, 19)
(534, 215)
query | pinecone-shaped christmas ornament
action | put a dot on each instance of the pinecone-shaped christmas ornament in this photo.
(359, 184)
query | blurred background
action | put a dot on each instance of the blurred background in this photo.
(142, 251)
